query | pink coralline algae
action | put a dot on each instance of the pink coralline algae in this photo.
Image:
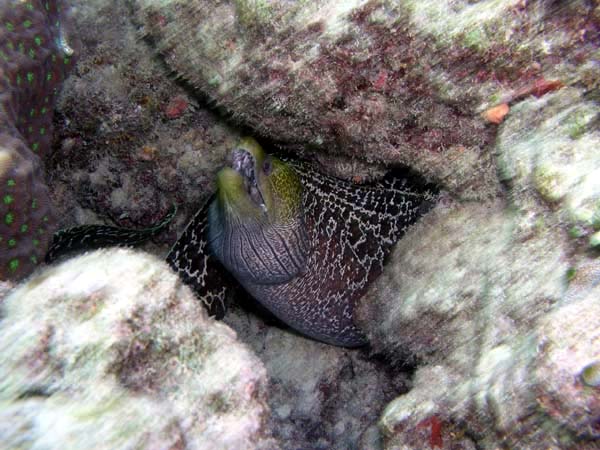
(34, 60)
(176, 107)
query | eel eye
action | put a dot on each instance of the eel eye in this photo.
(267, 166)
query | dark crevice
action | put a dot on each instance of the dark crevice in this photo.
(35, 392)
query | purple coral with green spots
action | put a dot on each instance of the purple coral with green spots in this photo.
(34, 60)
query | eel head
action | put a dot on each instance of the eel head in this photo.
(256, 224)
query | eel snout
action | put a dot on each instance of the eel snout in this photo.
(243, 162)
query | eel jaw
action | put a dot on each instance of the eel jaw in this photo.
(244, 163)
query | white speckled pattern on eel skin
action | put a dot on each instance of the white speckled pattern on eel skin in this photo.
(305, 245)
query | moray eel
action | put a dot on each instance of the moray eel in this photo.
(304, 244)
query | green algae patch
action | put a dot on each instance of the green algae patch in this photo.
(590, 375)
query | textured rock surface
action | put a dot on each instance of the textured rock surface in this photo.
(321, 397)
(569, 340)
(463, 306)
(547, 154)
(393, 82)
(458, 262)
(492, 301)
(101, 364)
(119, 155)
(496, 302)
(35, 56)
(131, 142)
(530, 386)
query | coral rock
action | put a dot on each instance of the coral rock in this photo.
(496, 303)
(548, 152)
(119, 160)
(569, 353)
(321, 396)
(473, 310)
(387, 82)
(103, 364)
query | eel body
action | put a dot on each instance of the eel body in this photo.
(304, 244)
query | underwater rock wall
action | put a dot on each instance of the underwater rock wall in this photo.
(497, 302)
(463, 92)
(124, 157)
(131, 141)
(388, 82)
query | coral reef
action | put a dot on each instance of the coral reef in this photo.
(461, 308)
(497, 302)
(35, 57)
(494, 301)
(388, 82)
(532, 389)
(101, 364)
(118, 158)
(546, 155)
(126, 151)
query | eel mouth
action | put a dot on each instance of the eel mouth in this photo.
(244, 163)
